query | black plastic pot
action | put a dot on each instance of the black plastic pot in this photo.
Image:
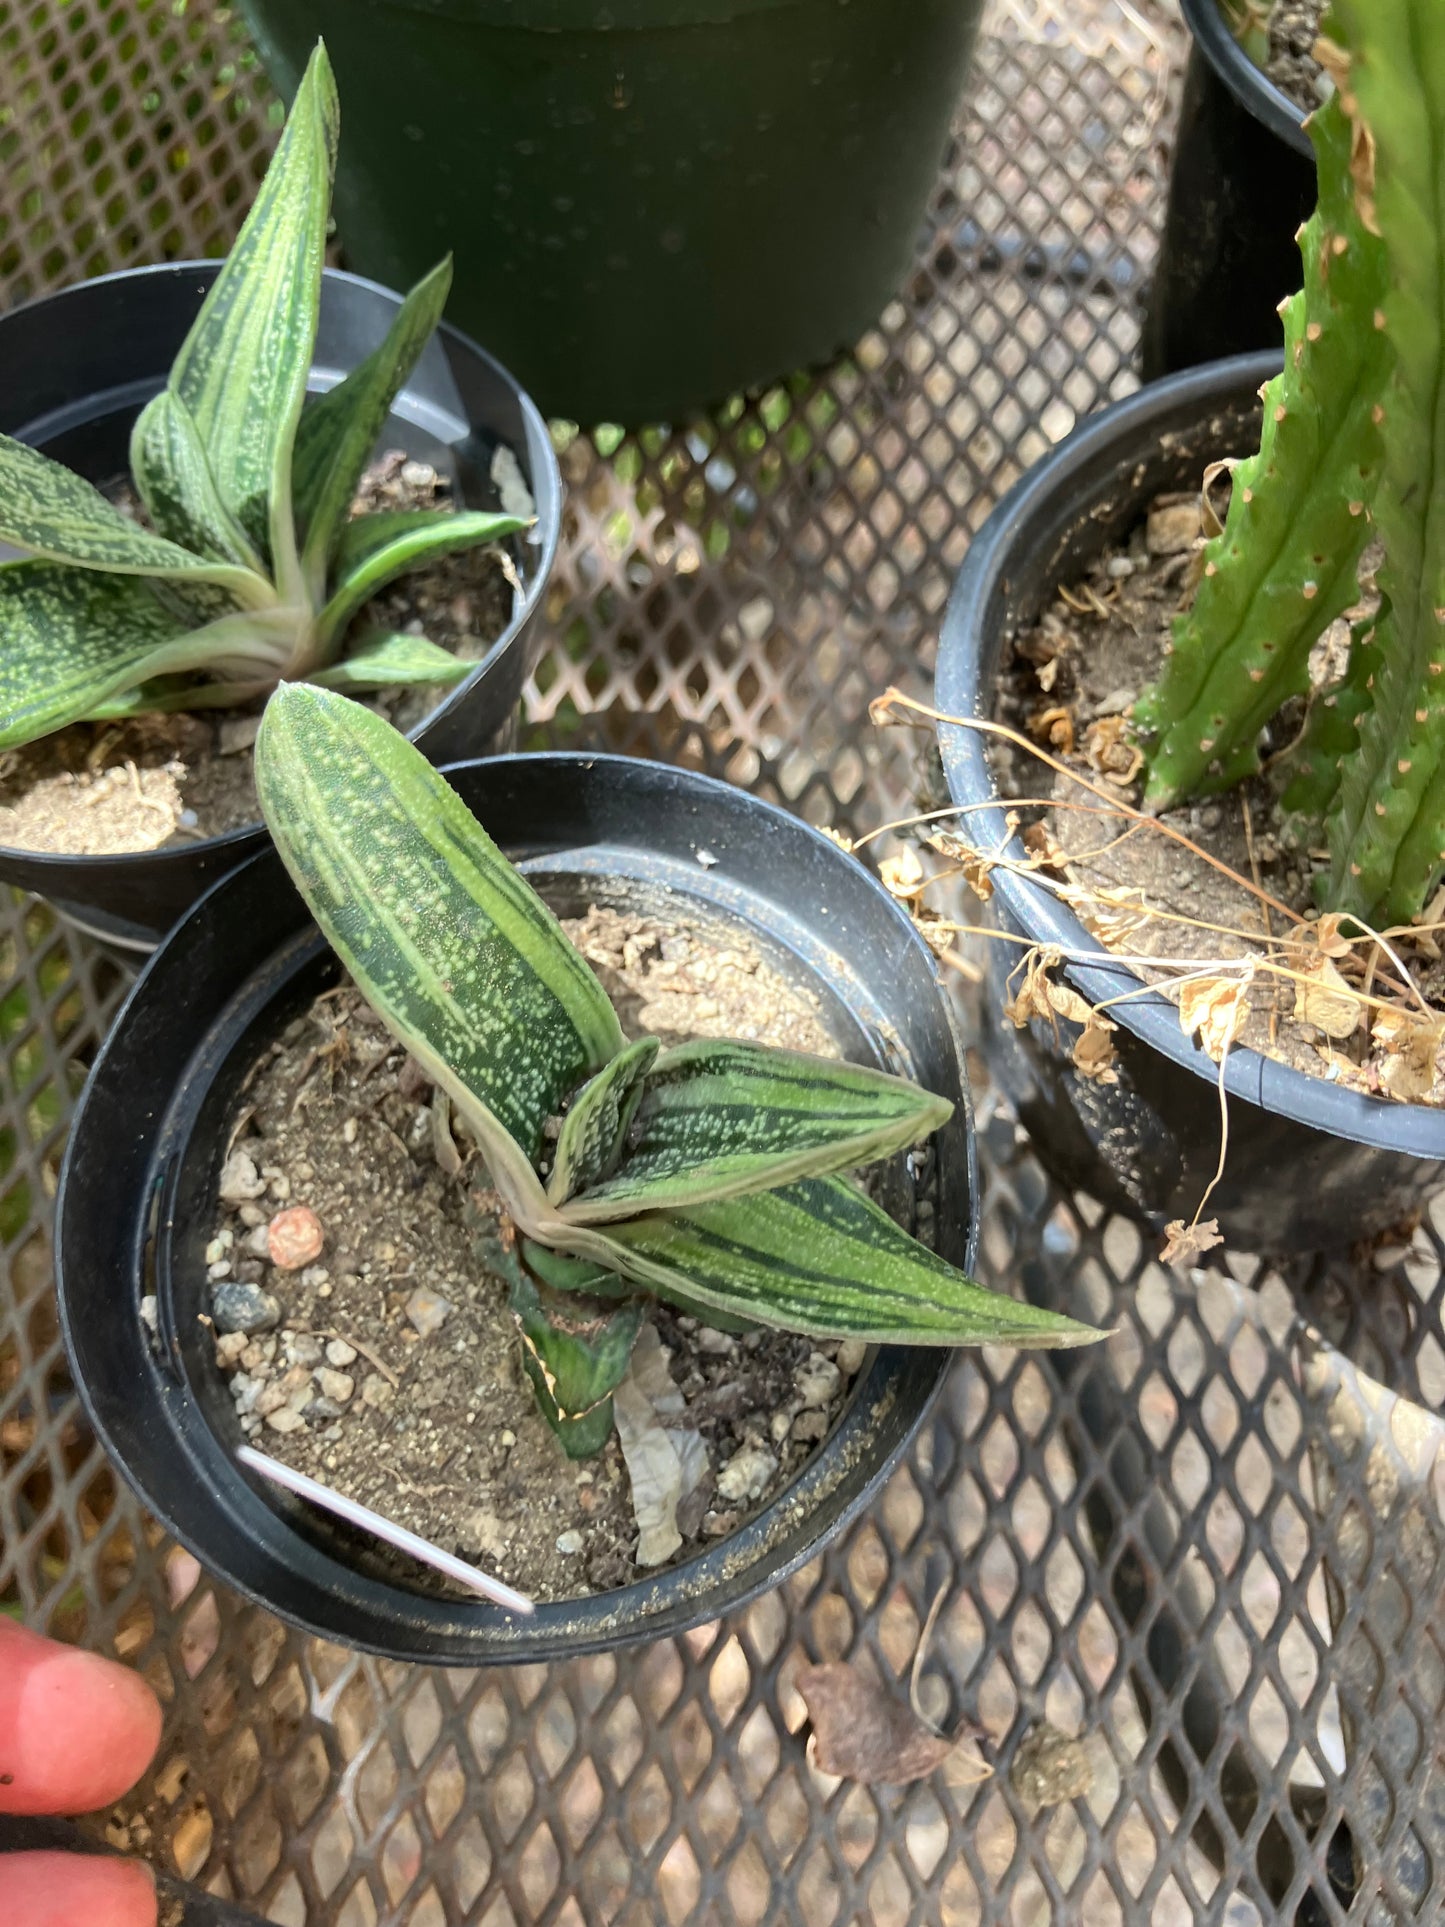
(138, 1188)
(652, 203)
(1310, 1166)
(1243, 181)
(76, 368)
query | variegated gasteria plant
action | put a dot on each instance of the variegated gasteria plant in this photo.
(252, 569)
(1353, 448)
(707, 1174)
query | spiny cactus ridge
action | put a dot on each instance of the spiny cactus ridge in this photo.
(1286, 563)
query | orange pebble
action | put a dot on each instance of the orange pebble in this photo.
(294, 1237)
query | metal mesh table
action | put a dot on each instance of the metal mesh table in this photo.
(1211, 1550)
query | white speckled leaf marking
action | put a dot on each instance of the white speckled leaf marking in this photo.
(592, 1131)
(717, 1118)
(458, 954)
(242, 369)
(819, 1257)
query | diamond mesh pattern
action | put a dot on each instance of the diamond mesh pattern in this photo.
(1212, 1549)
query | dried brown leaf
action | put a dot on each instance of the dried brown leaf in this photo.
(1094, 1052)
(902, 875)
(861, 1732)
(1109, 750)
(1324, 999)
(1215, 1009)
(1411, 1043)
(1184, 1243)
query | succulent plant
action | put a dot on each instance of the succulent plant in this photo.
(1353, 447)
(708, 1174)
(251, 570)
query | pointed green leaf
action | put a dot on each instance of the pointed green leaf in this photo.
(575, 1354)
(389, 659)
(339, 430)
(57, 516)
(170, 469)
(597, 1121)
(560, 1273)
(73, 638)
(718, 1118)
(820, 1258)
(242, 369)
(446, 941)
(376, 549)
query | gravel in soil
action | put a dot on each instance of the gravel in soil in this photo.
(1069, 684)
(1294, 27)
(381, 1357)
(162, 781)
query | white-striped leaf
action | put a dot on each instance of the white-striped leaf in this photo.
(171, 472)
(717, 1118)
(820, 1258)
(72, 638)
(55, 515)
(338, 431)
(376, 549)
(447, 942)
(389, 659)
(592, 1132)
(242, 369)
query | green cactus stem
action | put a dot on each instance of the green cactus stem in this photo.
(1331, 736)
(1386, 827)
(1286, 563)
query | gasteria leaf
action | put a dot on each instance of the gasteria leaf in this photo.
(54, 514)
(575, 1354)
(173, 475)
(717, 1118)
(73, 638)
(458, 954)
(591, 1137)
(376, 549)
(338, 431)
(242, 371)
(820, 1258)
(390, 659)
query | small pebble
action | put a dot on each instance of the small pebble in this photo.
(717, 1344)
(150, 1315)
(239, 1179)
(244, 1308)
(302, 1348)
(808, 1426)
(377, 1391)
(280, 1188)
(1173, 528)
(507, 1437)
(851, 1354)
(287, 1419)
(229, 1348)
(295, 1237)
(245, 1391)
(746, 1474)
(817, 1381)
(427, 1310)
(780, 1425)
(1119, 568)
(217, 1249)
(339, 1353)
(339, 1387)
(321, 1408)
(569, 1542)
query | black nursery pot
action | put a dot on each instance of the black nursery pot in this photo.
(1310, 1166)
(1243, 180)
(138, 1188)
(76, 369)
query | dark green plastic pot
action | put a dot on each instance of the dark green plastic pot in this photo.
(652, 203)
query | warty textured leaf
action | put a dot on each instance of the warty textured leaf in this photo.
(243, 368)
(448, 943)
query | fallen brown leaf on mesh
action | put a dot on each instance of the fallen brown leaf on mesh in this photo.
(1216, 1009)
(860, 1732)
(1054, 726)
(1184, 1243)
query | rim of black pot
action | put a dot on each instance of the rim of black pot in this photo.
(550, 496)
(884, 1409)
(998, 557)
(1251, 87)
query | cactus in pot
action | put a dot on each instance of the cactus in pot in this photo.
(1353, 447)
